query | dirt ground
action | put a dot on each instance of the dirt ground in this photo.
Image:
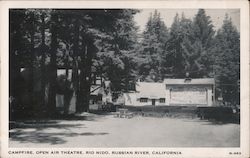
(108, 131)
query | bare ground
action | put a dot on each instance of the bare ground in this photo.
(108, 131)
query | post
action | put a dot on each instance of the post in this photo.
(214, 92)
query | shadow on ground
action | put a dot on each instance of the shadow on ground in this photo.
(45, 131)
(212, 121)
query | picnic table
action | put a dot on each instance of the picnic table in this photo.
(124, 113)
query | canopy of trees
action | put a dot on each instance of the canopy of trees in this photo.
(105, 42)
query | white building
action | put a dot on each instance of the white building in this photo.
(147, 93)
(173, 92)
(100, 92)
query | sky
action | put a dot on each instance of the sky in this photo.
(167, 15)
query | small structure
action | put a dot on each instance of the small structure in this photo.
(189, 91)
(173, 92)
(99, 91)
(147, 93)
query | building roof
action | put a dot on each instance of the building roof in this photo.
(150, 90)
(95, 90)
(189, 81)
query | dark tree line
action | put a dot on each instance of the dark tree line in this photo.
(86, 41)
(105, 42)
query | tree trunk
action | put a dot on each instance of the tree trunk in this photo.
(43, 80)
(85, 75)
(75, 74)
(82, 79)
(53, 66)
(31, 64)
(89, 56)
(67, 93)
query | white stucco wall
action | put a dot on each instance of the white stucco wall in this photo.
(167, 96)
(161, 104)
(138, 103)
(189, 95)
(131, 99)
(198, 95)
(210, 96)
(149, 102)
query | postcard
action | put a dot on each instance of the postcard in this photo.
(124, 79)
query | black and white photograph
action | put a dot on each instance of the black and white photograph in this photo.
(124, 78)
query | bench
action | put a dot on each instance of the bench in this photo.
(124, 113)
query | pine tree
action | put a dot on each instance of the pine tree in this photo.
(153, 48)
(30, 48)
(53, 63)
(197, 46)
(175, 59)
(117, 47)
(227, 63)
(18, 57)
(18, 49)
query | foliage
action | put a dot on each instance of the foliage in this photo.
(117, 49)
(153, 49)
(105, 42)
(176, 59)
(227, 61)
(197, 46)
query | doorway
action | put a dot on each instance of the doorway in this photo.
(153, 101)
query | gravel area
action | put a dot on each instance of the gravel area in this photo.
(108, 131)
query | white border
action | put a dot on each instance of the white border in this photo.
(186, 152)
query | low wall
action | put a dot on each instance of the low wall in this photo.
(172, 111)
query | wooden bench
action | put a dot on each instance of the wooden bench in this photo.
(124, 113)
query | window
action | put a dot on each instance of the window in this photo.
(143, 100)
(162, 100)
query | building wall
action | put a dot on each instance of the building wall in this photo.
(149, 102)
(210, 96)
(189, 95)
(107, 98)
(143, 103)
(131, 99)
(159, 103)
(177, 95)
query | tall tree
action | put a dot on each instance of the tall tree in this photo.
(31, 29)
(91, 26)
(153, 48)
(92, 36)
(30, 50)
(227, 61)
(17, 48)
(198, 44)
(53, 63)
(174, 60)
(117, 51)
(17, 57)
(42, 53)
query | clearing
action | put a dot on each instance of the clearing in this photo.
(108, 131)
